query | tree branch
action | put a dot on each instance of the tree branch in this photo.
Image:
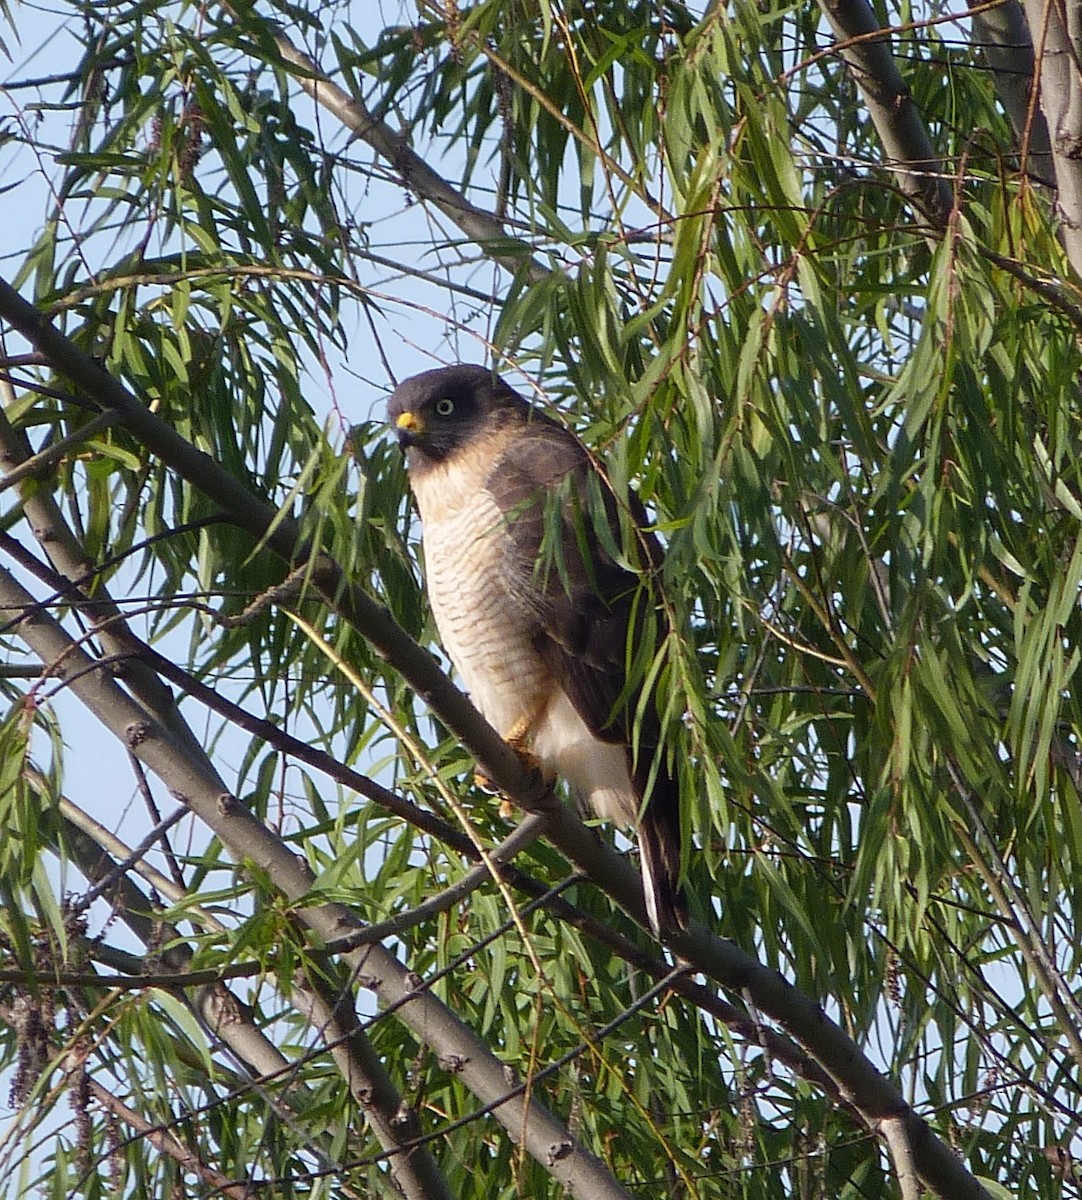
(865, 47)
(64, 551)
(227, 1017)
(331, 1011)
(164, 1142)
(1058, 38)
(480, 226)
(1002, 33)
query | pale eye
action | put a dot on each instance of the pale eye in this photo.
(444, 407)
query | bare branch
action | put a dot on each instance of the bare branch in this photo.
(168, 1145)
(896, 1134)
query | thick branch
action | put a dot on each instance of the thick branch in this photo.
(371, 1087)
(865, 47)
(1058, 38)
(1003, 36)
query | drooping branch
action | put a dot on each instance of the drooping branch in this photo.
(480, 226)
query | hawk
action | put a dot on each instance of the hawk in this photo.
(550, 634)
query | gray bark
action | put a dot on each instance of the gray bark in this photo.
(1056, 29)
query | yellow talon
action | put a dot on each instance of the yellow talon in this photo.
(517, 737)
(482, 781)
(530, 762)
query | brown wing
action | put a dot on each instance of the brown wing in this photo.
(583, 601)
(594, 618)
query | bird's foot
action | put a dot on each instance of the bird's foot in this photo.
(530, 762)
(482, 781)
(507, 808)
(517, 737)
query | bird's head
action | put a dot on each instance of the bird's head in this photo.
(438, 412)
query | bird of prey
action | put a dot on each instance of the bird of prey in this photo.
(550, 634)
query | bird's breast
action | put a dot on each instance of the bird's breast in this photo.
(476, 585)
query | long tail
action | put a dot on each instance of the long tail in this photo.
(659, 852)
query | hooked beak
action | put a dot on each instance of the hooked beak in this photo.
(410, 427)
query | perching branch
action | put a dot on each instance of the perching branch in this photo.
(248, 839)
(330, 1009)
(779, 1047)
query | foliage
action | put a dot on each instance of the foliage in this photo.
(858, 435)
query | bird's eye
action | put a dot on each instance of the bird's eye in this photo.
(445, 407)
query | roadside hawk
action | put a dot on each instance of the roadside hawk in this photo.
(550, 634)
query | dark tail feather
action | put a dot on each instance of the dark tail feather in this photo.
(659, 852)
